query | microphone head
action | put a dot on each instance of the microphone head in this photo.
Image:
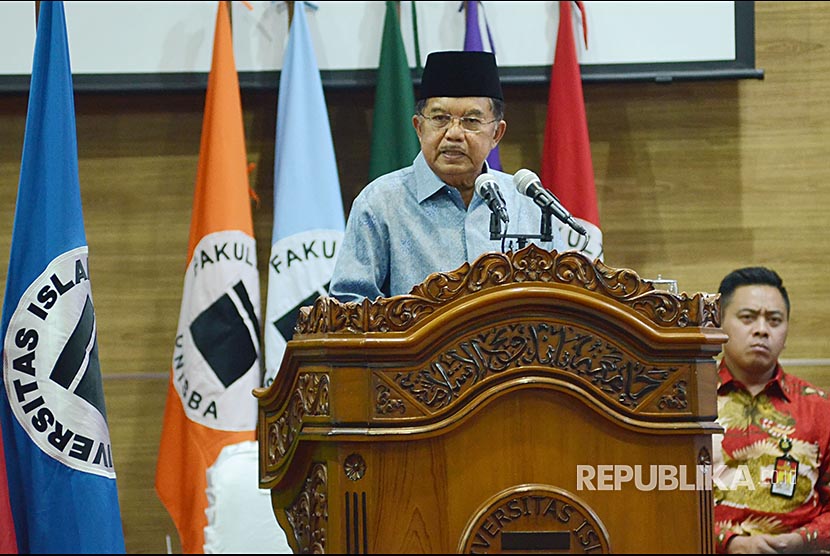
(522, 180)
(482, 180)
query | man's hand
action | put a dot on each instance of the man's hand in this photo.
(786, 543)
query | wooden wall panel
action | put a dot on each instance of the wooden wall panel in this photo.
(694, 179)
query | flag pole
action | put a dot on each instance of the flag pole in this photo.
(416, 44)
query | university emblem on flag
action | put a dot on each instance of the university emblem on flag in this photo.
(215, 360)
(51, 369)
(299, 271)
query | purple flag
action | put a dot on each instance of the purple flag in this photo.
(472, 41)
(472, 34)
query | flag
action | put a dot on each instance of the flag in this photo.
(8, 540)
(215, 364)
(394, 142)
(308, 207)
(567, 169)
(58, 455)
(473, 42)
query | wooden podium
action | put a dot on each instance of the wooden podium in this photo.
(530, 402)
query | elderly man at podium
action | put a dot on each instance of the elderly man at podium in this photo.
(772, 464)
(439, 212)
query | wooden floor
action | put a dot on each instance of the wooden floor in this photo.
(694, 179)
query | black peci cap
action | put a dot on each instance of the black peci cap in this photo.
(460, 74)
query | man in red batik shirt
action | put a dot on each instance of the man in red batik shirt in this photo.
(771, 467)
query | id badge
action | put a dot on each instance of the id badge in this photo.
(784, 477)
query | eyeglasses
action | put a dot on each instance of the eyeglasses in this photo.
(468, 123)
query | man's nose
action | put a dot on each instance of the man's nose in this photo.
(761, 327)
(454, 128)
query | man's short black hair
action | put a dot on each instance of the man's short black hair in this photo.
(751, 276)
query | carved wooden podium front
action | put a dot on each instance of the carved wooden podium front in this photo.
(531, 401)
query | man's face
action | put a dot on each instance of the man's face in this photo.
(756, 322)
(455, 155)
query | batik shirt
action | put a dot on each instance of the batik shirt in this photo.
(787, 413)
(408, 224)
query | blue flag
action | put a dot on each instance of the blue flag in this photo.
(55, 433)
(308, 206)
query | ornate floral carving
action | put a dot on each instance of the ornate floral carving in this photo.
(354, 467)
(310, 397)
(546, 344)
(308, 514)
(530, 264)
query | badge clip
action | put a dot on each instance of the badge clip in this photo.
(785, 474)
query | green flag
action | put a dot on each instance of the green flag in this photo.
(394, 143)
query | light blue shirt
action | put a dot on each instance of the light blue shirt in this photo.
(407, 224)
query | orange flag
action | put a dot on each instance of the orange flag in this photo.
(216, 356)
(567, 169)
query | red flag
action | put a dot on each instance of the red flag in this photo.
(567, 169)
(215, 364)
(8, 541)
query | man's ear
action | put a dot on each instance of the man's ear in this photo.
(417, 123)
(499, 133)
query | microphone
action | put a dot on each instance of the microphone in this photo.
(527, 183)
(488, 189)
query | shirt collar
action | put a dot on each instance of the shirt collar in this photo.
(778, 384)
(427, 183)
